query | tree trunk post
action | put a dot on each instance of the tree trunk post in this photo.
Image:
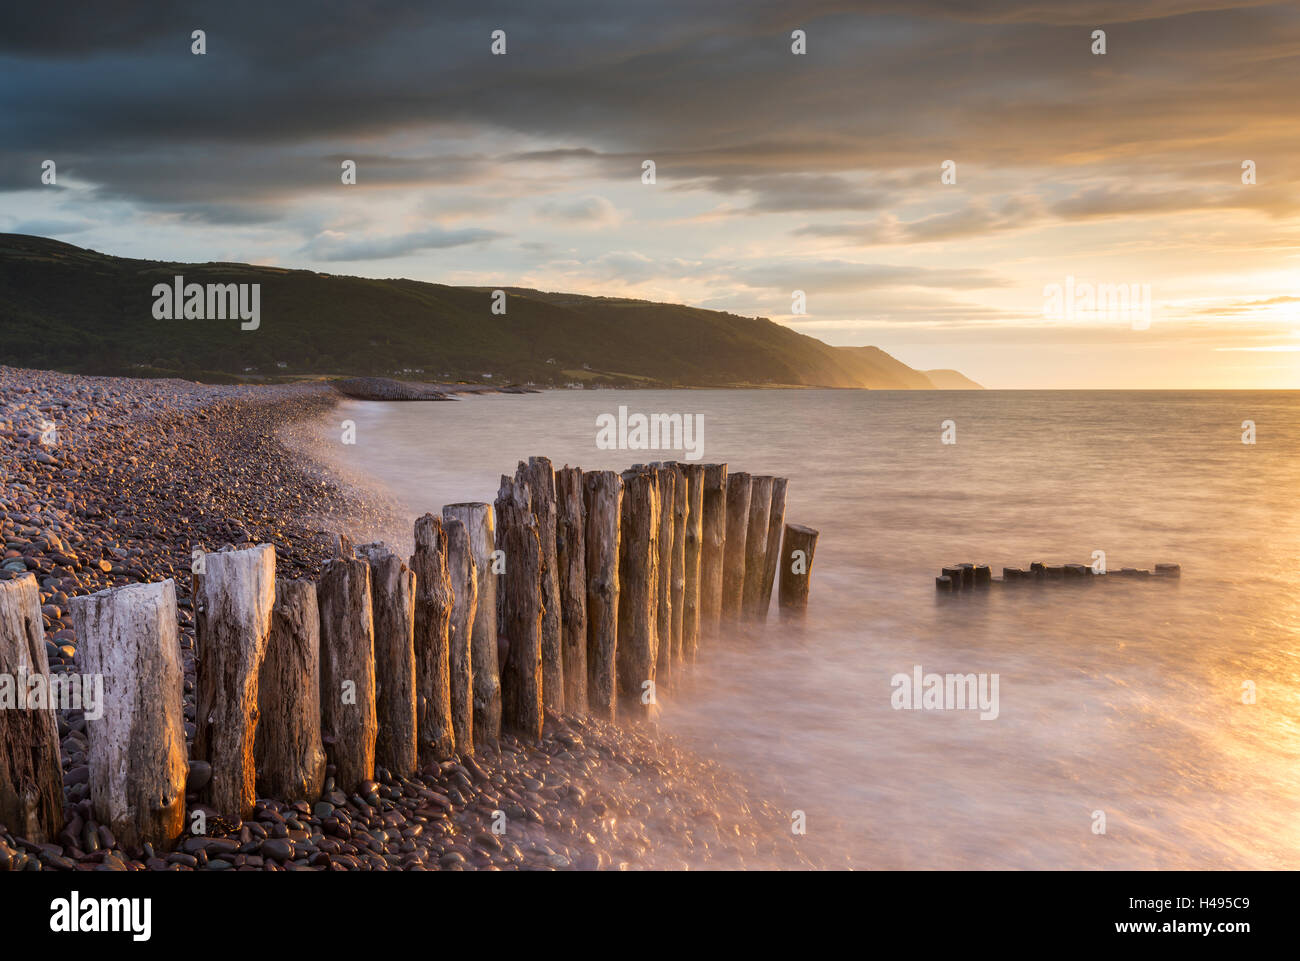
(392, 600)
(521, 609)
(571, 564)
(460, 634)
(238, 596)
(760, 508)
(733, 563)
(666, 480)
(137, 753)
(693, 475)
(435, 734)
(347, 675)
(478, 520)
(603, 503)
(31, 780)
(775, 525)
(713, 548)
(797, 549)
(540, 477)
(638, 601)
(290, 756)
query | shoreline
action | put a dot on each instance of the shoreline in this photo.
(140, 472)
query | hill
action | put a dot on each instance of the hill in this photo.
(66, 308)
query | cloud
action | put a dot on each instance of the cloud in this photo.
(335, 246)
(591, 211)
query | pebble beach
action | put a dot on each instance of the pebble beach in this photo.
(113, 481)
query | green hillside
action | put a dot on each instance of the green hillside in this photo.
(66, 308)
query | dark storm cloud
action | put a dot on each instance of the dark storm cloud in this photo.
(710, 91)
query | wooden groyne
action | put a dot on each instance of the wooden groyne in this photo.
(573, 593)
(960, 578)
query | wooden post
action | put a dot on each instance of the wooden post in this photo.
(238, 595)
(733, 561)
(521, 609)
(666, 480)
(347, 670)
(797, 549)
(678, 567)
(436, 736)
(571, 564)
(760, 508)
(775, 525)
(460, 634)
(638, 601)
(478, 521)
(713, 547)
(693, 534)
(136, 750)
(540, 477)
(290, 756)
(603, 502)
(31, 780)
(392, 600)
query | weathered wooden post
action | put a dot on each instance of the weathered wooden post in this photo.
(238, 595)
(392, 600)
(693, 535)
(733, 561)
(603, 502)
(678, 567)
(460, 634)
(666, 481)
(436, 735)
(797, 549)
(347, 670)
(571, 563)
(137, 747)
(638, 601)
(478, 521)
(290, 756)
(775, 526)
(31, 781)
(713, 548)
(521, 609)
(539, 474)
(760, 508)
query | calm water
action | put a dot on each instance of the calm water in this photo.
(1122, 697)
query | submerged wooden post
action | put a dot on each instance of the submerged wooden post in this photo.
(713, 547)
(733, 561)
(760, 508)
(797, 549)
(238, 595)
(521, 609)
(31, 780)
(693, 475)
(666, 480)
(392, 600)
(436, 737)
(290, 756)
(775, 526)
(571, 564)
(136, 750)
(347, 670)
(460, 633)
(478, 521)
(638, 601)
(540, 477)
(603, 502)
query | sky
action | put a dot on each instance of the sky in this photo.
(945, 180)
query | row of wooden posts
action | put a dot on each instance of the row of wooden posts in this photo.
(593, 588)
